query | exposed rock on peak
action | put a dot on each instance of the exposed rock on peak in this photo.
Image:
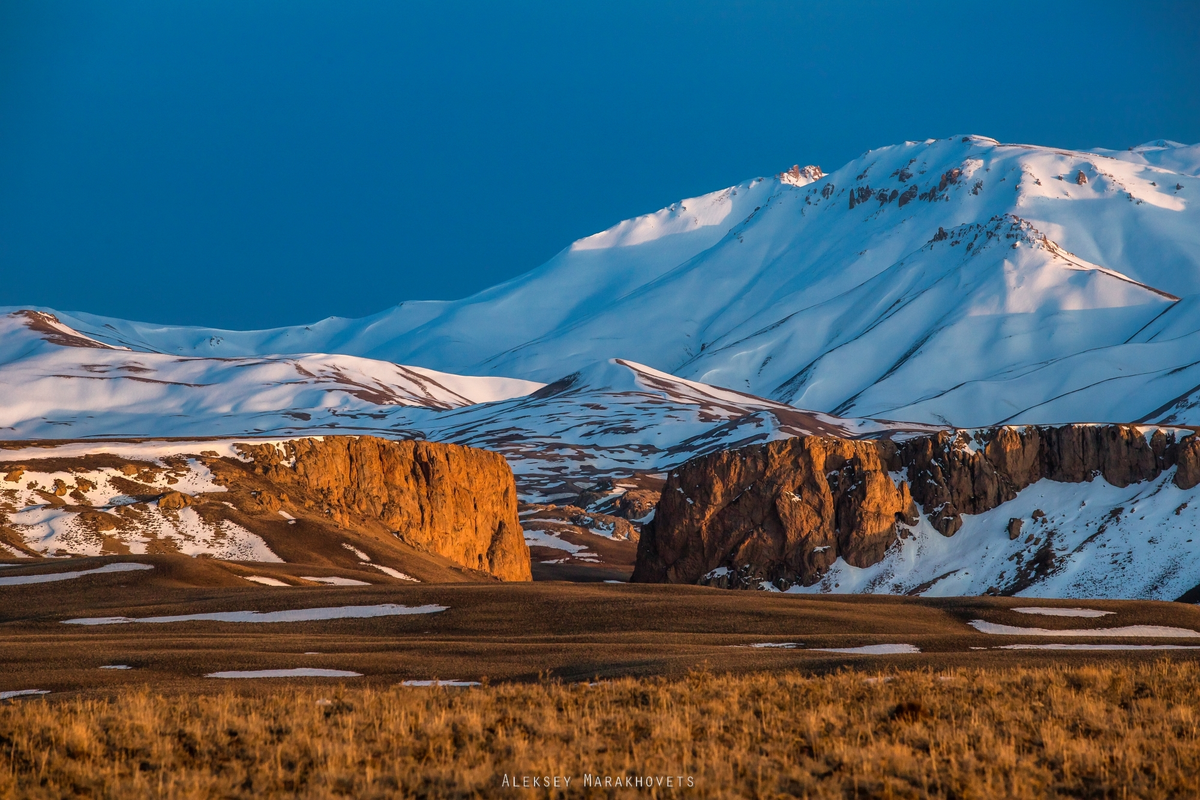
(801, 176)
(54, 331)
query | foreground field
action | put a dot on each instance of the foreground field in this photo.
(123, 623)
(162, 676)
(1123, 730)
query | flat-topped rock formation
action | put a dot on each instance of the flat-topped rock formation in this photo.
(367, 509)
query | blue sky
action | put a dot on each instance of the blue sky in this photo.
(250, 163)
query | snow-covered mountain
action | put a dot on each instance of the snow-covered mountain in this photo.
(955, 281)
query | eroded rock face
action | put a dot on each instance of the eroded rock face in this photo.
(457, 502)
(785, 511)
(958, 473)
(787, 508)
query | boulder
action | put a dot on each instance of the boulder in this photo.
(1014, 527)
(173, 501)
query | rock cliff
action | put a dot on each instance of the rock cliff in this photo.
(782, 511)
(785, 511)
(457, 502)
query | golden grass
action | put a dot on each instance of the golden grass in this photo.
(1123, 730)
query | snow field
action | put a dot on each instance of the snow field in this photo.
(1089, 613)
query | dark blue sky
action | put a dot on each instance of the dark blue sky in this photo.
(247, 163)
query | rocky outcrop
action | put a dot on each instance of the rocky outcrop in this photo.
(784, 511)
(781, 512)
(801, 176)
(625, 504)
(457, 502)
(1187, 461)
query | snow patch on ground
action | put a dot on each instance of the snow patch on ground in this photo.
(291, 615)
(1146, 631)
(871, 649)
(334, 580)
(540, 538)
(395, 573)
(264, 580)
(297, 672)
(1090, 613)
(361, 555)
(22, 580)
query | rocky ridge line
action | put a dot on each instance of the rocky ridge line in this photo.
(785, 511)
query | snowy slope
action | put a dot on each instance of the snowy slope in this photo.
(852, 293)
(59, 529)
(586, 276)
(1161, 153)
(58, 383)
(616, 418)
(611, 419)
(1095, 540)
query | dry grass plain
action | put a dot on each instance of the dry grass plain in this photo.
(611, 680)
(1091, 731)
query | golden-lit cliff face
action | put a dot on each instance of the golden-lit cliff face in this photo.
(457, 502)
